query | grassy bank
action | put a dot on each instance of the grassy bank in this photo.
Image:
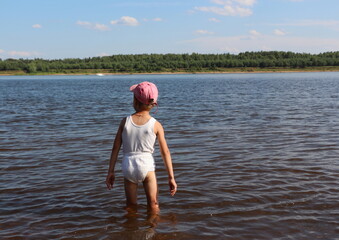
(179, 71)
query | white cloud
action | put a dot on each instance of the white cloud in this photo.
(100, 27)
(203, 32)
(153, 20)
(254, 33)
(18, 54)
(236, 44)
(214, 20)
(246, 2)
(230, 2)
(332, 24)
(325, 23)
(22, 54)
(82, 23)
(104, 55)
(37, 26)
(279, 32)
(226, 11)
(220, 2)
(94, 26)
(229, 7)
(157, 19)
(126, 20)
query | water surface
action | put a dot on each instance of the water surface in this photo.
(255, 157)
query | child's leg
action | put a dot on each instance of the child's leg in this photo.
(151, 190)
(131, 193)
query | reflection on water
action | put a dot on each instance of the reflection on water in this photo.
(136, 227)
(255, 157)
(139, 224)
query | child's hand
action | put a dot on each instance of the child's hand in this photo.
(110, 181)
(173, 186)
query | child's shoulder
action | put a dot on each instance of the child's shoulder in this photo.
(158, 126)
(155, 120)
(123, 121)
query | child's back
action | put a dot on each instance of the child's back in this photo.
(138, 146)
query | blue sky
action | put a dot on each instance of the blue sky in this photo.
(57, 29)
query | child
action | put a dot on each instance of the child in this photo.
(137, 133)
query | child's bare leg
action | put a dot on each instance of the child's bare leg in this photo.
(131, 194)
(151, 190)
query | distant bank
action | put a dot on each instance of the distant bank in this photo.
(247, 62)
(103, 72)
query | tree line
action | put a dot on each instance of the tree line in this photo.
(174, 62)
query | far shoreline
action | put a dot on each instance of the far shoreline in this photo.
(100, 72)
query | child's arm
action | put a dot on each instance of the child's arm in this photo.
(114, 155)
(166, 156)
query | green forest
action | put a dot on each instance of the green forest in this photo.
(195, 62)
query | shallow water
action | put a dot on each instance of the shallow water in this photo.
(255, 157)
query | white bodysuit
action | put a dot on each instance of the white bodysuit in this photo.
(138, 146)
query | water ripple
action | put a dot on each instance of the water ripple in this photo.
(255, 157)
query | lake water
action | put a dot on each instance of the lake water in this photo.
(256, 156)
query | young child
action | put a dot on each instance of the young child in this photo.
(137, 134)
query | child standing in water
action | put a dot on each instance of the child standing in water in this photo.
(137, 134)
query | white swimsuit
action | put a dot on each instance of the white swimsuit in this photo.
(138, 146)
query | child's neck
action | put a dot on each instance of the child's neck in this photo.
(141, 117)
(142, 113)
